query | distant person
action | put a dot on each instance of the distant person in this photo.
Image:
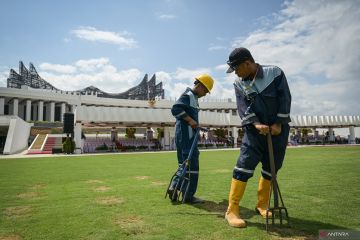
(263, 100)
(186, 112)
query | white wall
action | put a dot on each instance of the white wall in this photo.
(18, 135)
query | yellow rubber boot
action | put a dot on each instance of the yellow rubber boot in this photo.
(232, 214)
(263, 197)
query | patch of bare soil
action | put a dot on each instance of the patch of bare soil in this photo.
(10, 237)
(158, 183)
(141, 177)
(18, 211)
(132, 225)
(102, 189)
(94, 181)
(28, 195)
(108, 201)
(38, 186)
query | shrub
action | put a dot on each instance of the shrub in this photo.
(129, 148)
(102, 147)
(68, 146)
(209, 145)
(130, 132)
(142, 147)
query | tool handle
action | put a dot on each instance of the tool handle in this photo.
(273, 170)
(194, 144)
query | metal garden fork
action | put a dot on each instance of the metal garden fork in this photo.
(276, 209)
(181, 188)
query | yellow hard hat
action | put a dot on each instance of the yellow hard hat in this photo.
(206, 80)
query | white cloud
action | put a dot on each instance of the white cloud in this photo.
(90, 65)
(98, 72)
(222, 67)
(313, 40)
(216, 48)
(175, 83)
(163, 77)
(220, 91)
(166, 16)
(95, 35)
(4, 74)
(323, 99)
(189, 74)
(57, 68)
(177, 89)
(172, 88)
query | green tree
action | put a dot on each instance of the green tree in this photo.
(68, 146)
(160, 133)
(221, 133)
(130, 132)
(306, 131)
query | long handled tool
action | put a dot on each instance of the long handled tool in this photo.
(276, 209)
(180, 191)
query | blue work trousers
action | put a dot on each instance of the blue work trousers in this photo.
(184, 140)
(254, 149)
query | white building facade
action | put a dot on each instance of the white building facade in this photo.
(37, 105)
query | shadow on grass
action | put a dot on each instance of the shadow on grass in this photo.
(297, 228)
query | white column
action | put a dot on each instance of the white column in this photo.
(41, 111)
(15, 107)
(52, 112)
(289, 136)
(62, 111)
(331, 135)
(2, 106)
(352, 135)
(28, 110)
(47, 112)
(166, 142)
(316, 133)
(21, 113)
(34, 112)
(77, 138)
(235, 135)
(172, 138)
(72, 108)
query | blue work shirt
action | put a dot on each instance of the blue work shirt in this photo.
(186, 105)
(265, 99)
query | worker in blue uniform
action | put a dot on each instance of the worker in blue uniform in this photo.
(186, 112)
(263, 101)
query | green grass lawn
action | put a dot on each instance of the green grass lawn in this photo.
(121, 196)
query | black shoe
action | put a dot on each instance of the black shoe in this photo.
(195, 200)
(173, 197)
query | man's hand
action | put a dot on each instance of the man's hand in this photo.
(191, 122)
(263, 129)
(275, 129)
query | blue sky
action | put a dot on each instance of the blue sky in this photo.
(112, 44)
(166, 34)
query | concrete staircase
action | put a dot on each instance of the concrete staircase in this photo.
(52, 142)
(43, 144)
(36, 146)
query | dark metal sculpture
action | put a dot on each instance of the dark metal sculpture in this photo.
(146, 90)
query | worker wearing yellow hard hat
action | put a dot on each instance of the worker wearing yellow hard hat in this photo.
(206, 81)
(186, 112)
